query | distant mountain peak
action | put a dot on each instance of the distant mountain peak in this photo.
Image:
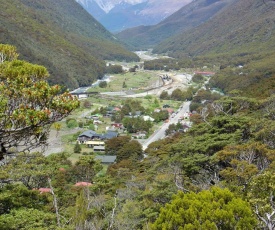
(116, 15)
(107, 5)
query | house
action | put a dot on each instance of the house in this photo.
(117, 125)
(99, 149)
(117, 109)
(87, 136)
(97, 122)
(111, 110)
(138, 135)
(106, 159)
(90, 135)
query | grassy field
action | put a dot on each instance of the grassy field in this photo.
(136, 81)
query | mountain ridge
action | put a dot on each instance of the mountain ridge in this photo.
(61, 36)
(188, 17)
(243, 26)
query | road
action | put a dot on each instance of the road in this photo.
(160, 133)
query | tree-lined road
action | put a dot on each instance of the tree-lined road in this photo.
(160, 133)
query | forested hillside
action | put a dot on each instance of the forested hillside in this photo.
(62, 36)
(188, 17)
(243, 27)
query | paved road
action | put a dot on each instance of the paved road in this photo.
(160, 133)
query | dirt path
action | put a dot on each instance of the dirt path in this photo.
(55, 144)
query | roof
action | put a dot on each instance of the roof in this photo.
(93, 134)
(148, 118)
(99, 148)
(88, 133)
(110, 134)
(106, 158)
(169, 110)
(117, 124)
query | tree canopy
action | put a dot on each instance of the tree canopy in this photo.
(28, 104)
(211, 209)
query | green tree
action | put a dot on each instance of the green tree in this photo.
(164, 95)
(210, 209)
(33, 169)
(103, 84)
(113, 145)
(26, 219)
(131, 150)
(16, 196)
(77, 148)
(244, 161)
(72, 124)
(177, 95)
(28, 104)
(198, 78)
(29, 169)
(261, 196)
(86, 168)
(114, 69)
(87, 104)
(160, 116)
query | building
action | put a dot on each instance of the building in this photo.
(99, 149)
(105, 159)
(91, 135)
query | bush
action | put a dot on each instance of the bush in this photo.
(72, 124)
(80, 124)
(87, 104)
(103, 84)
(164, 95)
(77, 148)
(198, 78)
(114, 69)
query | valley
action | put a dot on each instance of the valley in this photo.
(177, 80)
(177, 137)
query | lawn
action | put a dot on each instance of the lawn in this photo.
(135, 81)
